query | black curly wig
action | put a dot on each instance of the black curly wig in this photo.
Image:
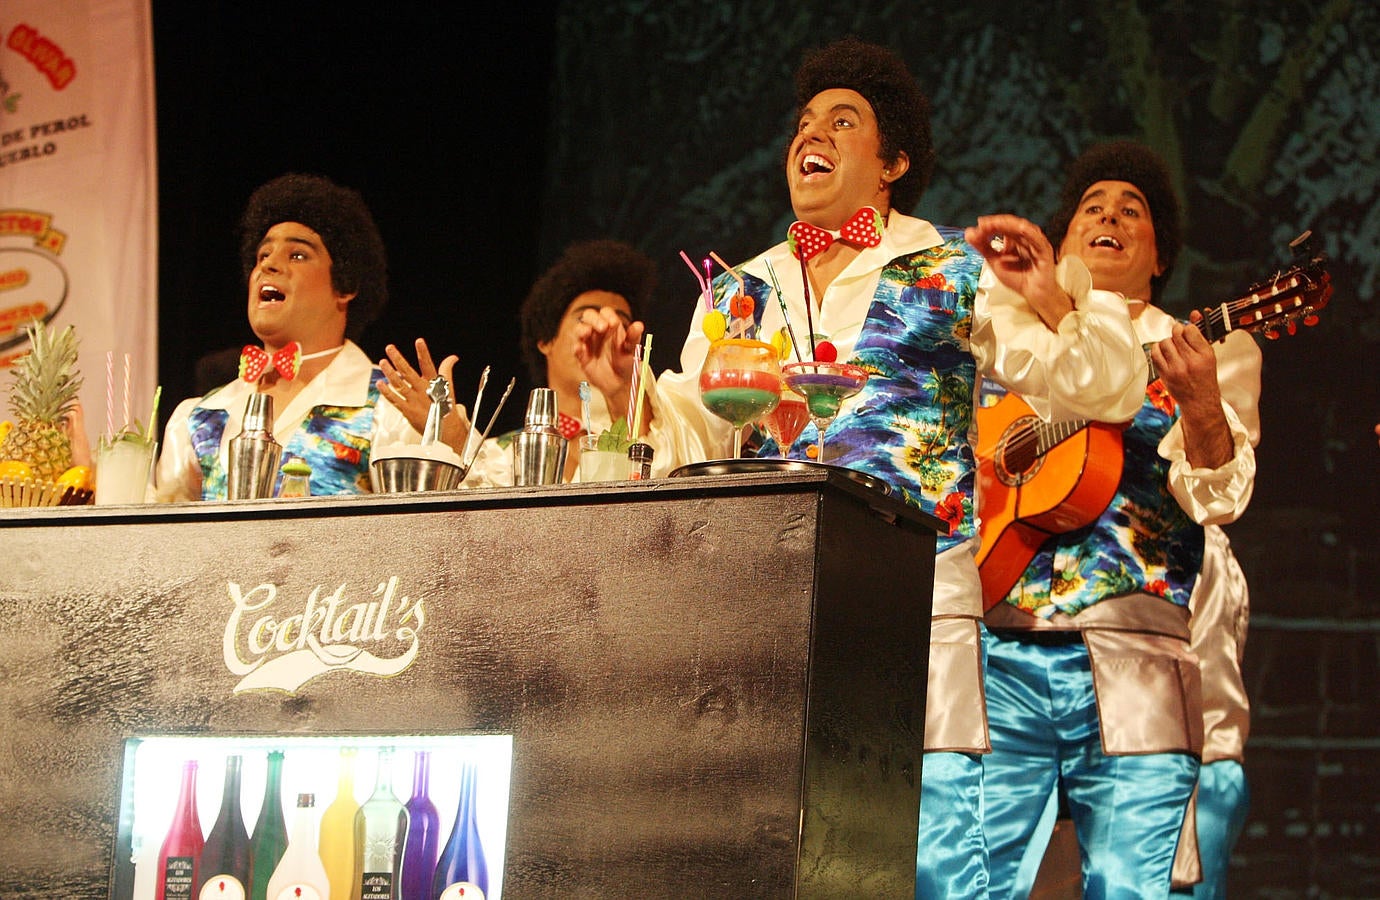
(902, 110)
(599, 265)
(359, 263)
(1136, 164)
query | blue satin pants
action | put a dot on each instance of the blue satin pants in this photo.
(1127, 810)
(951, 858)
(1223, 800)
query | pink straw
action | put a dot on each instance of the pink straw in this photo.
(110, 393)
(125, 423)
(704, 285)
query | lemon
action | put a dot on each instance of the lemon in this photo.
(715, 326)
(15, 469)
(78, 478)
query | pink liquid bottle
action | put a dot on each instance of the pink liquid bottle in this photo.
(181, 851)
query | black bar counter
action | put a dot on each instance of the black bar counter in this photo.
(714, 685)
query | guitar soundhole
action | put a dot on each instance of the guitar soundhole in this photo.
(1018, 457)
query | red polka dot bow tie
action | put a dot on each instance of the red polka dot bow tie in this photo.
(864, 229)
(255, 361)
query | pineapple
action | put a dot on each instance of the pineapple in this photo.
(43, 393)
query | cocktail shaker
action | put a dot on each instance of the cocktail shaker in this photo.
(254, 454)
(539, 449)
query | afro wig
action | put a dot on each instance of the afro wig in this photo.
(902, 110)
(1136, 164)
(600, 265)
(359, 263)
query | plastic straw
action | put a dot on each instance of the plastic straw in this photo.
(742, 288)
(110, 393)
(785, 316)
(633, 390)
(584, 406)
(705, 293)
(641, 360)
(124, 423)
(809, 305)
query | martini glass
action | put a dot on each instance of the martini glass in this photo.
(740, 382)
(824, 385)
(785, 423)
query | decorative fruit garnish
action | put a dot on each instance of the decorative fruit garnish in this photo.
(715, 326)
(78, 478)
(16, 470)
(826, 352)
(782, 342)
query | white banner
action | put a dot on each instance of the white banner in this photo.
(79, 194)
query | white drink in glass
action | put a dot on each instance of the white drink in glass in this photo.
(122, 471)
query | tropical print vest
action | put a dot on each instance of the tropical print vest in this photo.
(333, 440)
(910, 424)
(1142, 543)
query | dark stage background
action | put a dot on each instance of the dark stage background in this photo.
(485, 142)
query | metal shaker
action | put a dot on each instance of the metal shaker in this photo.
(539, 449)
(254, 454)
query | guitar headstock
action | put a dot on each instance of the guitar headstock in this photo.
(1277, 304)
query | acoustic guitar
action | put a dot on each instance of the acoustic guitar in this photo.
(1037, 478)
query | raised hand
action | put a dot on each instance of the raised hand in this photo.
(1021, 257)
(405, 386)
(605, 353)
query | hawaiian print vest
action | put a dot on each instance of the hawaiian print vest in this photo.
(333, 440)
(910, 424)
(1142, 543)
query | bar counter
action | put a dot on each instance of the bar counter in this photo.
(714, 685)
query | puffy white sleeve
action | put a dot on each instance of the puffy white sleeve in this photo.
(1092, 367)
(1219, 496)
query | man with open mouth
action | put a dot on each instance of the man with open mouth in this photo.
(315, 269)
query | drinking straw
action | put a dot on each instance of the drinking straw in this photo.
(742, 288)
(706, 293)
(110, 393)
(785, 316)
(633, 388)
(125, 422)
(584, 406)
(809, 305)
(646, 351)
(153, 414)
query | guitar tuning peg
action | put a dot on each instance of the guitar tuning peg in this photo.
(1311, 319)
(1292, 327)
(1270, 334)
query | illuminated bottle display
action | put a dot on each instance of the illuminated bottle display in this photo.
(423, 833)
(269, 840)
(177, 860)
(461, 872)
(380, 833)
(300, 875)
(223, 871)
(338, 830)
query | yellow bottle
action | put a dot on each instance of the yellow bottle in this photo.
(338, 830)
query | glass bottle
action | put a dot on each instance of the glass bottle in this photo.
(300, 875)
(423, 833)
(223, 872)
(177, 859)
(461, 871)
(380, 834)
(338, 830)
(296, 479)
(270, 831)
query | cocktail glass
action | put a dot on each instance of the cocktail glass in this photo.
(785, 423)
(740, 382)
(824, 385)
(122, 470)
